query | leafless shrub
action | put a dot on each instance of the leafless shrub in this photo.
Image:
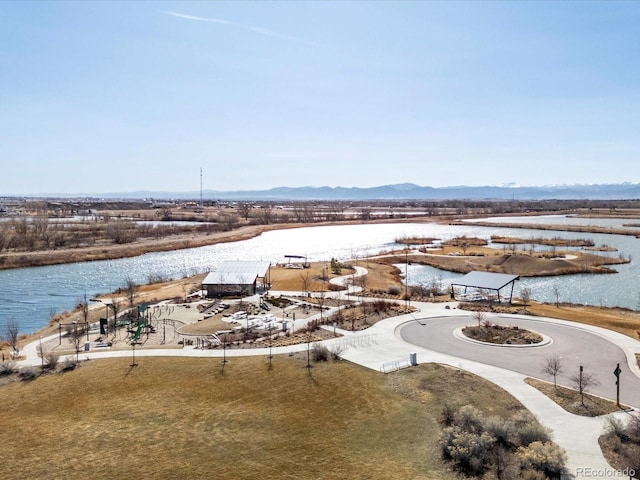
(545, 457)
(28, 373)
(320, 353)
(529, 432)
(392, 290)
(487, 323)
(447, 415)
(497, 447)
(469, 419)
(582, 382)
(525, 295)
(51, 360)
(11, 333)
(552, 366)
(633, 430)
(69, 364)
(337, 351)
(7, 368)
(614, 426)
(479, 316)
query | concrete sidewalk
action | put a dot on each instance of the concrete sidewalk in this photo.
(577, 435)
(381, 344)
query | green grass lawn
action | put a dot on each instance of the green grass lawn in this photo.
(182, 418)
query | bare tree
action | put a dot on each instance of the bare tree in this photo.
(266, 215)
(114, 307)
(130, 290)
(362, 283)
(465, 246)
(322, 299)
(556, 293)
(365, 213)
(583, 381)
(11, 334)
(244, 208)
(305, 280)
(525, 295)
(552, 366)
(479, 317)
(225, 341)
(227, 221)
(83, 305)
(309, 334)
(74, 332)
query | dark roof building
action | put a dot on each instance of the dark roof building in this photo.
(237, 278)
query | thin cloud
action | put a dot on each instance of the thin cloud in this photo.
(199, 19)
(270, 33)
(258, 30)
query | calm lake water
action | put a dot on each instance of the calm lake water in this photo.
(32, 295)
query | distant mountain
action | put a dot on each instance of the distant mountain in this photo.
(409, 191)
(403, 191)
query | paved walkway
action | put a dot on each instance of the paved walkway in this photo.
(577, 435)
(382, 344)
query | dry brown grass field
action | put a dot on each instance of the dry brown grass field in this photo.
(619, 320)
(524, 264)
(315, 277)
(184, 418)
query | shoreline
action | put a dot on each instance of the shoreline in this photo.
(42, 258)
(242, 233)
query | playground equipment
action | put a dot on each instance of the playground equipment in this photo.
(134, 338)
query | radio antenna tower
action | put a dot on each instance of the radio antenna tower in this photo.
(201, 203)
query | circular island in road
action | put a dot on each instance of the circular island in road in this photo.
(501, 335)
(574, 345)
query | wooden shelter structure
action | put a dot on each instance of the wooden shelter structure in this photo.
(480, 281)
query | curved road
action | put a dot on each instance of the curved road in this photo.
(573, 345)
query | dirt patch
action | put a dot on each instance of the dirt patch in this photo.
(363, 316)
(316, 278)
(621, 453)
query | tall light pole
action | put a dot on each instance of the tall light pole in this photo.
(270, 345)
(406, 281)
(42, 353)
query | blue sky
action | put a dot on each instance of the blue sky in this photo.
(125, 96)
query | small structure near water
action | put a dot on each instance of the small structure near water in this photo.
(482, 281)
(238, 278)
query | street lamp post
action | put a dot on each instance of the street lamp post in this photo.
(270, 345)
(41, 353)
(76, 341)
(406, 281)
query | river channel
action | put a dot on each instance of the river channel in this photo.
(30, 296)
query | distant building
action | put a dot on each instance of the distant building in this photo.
(238, 278)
